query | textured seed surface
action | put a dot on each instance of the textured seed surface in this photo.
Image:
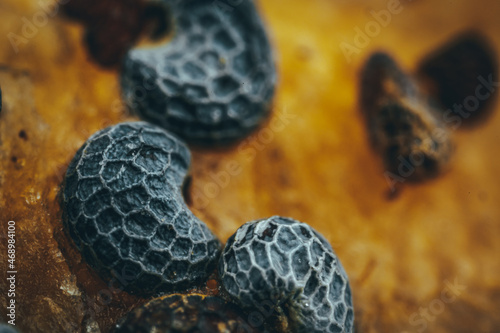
(403, 124)
(213, 83)
(454, 70)
(123, 208)
(284, 262)
(185, 313)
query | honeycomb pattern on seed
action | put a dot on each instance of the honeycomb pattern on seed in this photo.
(123, 208)
(214, 82)
(284, 262)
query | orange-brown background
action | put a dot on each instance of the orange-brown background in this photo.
(319, 169)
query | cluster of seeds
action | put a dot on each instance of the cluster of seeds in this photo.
(122, 193)
(123, 208)
(409, 118)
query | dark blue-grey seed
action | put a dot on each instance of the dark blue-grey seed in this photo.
(213, 83)
(289, 264)
(123, 207)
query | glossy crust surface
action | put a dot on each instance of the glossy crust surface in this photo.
(191, 313)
